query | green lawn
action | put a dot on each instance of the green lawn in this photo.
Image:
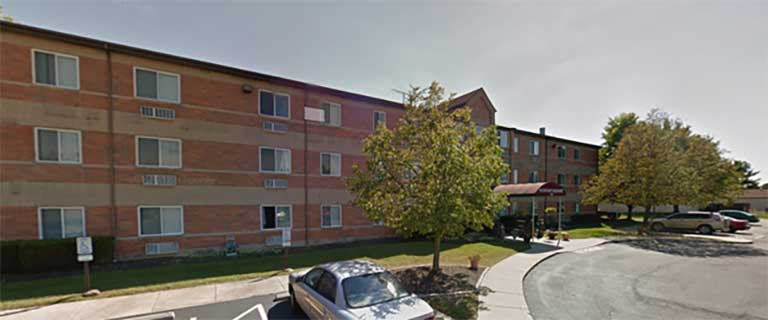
(199, 271)
(621, 227)
(761, 215)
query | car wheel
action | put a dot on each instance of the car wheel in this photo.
(732, 230)
(705, 229)
(658, 227)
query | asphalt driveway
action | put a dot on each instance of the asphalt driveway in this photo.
(654, 279)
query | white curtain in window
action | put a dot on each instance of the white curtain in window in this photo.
(283, 160)
(169, 153)
(283, 215)
(66, 76)
(70, 147)
(168, 87)
(171, 218)
(73, 223)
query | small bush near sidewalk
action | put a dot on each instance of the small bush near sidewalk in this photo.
(125, 279)
(458, 307)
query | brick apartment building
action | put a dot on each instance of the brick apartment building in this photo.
(172, 155)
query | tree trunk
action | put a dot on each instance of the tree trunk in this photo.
(436, 255)
(676, 208)
(629, 211)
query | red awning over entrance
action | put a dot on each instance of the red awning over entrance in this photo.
(531, 189)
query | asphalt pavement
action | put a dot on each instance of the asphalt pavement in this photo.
(654, 279)
(254, 308)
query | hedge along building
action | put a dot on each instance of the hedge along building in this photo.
(172, 155)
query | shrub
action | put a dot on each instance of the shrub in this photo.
(585, 220)
(50, 254)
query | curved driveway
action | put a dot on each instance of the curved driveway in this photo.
(653, 279)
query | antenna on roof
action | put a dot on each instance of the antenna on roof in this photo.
(402, 94)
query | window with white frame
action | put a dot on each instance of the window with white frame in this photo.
(274, 160)
(533, 147)
(577, 179)
(332, 113)
(158, 152)
(58, 223)
(515, 144)
(161, 220)
(576, 154)
(561, 152)
(504, 139)
(57, 145)
(55, 69)
(561, 179)
(515, 178)
(275, 217)
(379, 117)
(330, 216)
(156, 85)
(330, 164)
(533, 176)
(274, 104)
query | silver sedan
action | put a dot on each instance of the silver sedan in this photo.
(354, 290)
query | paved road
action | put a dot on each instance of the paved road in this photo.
(684, 279)
(253, 308)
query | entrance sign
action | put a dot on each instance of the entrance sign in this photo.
(286, 237)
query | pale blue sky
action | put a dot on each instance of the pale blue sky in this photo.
(566, 65)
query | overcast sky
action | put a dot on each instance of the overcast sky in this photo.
(566, 65)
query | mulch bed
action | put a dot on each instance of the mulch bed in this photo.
(420, 280)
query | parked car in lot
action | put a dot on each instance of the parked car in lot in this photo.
(703, 222)
(742, 215)
(354, 290)
(736, 224)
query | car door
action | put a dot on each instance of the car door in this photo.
(326, 289)
(305, 293)
(675, 221)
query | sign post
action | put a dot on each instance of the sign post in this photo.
(85, 255)
(286, 244)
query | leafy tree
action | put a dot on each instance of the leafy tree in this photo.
(765, 186)
(613, 132)
(433, 174)
(748, 180)
(4, 16)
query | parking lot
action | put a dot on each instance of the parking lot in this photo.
(655, 279)
(254, 308)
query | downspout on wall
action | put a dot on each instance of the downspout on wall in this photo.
(111, 151)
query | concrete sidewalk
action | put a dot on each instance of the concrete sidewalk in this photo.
(122, 306)
(505, 299)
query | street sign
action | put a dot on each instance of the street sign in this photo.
(286, 237)
(84, 246)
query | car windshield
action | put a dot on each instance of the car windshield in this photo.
(370, 289)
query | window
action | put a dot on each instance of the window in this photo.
(561, 151)
(57, 145)
(158, 152)
(332, 113)
(275, 217)
(54, 69)
(515, 144)
(504, 138)
(156, 85)
(533, 147)
(330, 216)
(560, 207)
(577, 179)
(330, 164)
(274, 104)
(533, 176)
(560, 179)
(326, 287)
(576, 154)
(505, 179)
(57, 223)
(161, 220)
(379, 117)
(515, 179)
(275, 160)
(577, 209)
(370, 289)
(313, 276)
